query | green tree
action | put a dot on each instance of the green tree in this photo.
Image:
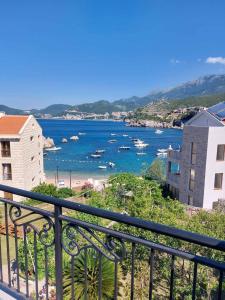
(157, 171)
(94, 263)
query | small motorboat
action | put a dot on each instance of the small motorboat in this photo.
(98, 151)
(141, 145)
(125, 135)
(162, 150)
(95, 155)
(111, 164)
(74, 138)
(124, 148)
(158, 131)
(137, 141)
(113, 134)
(112, 141)
(162, 154)
(102, 167)
(81, 133)
(53, 149)
(170, 147)
(141, 153)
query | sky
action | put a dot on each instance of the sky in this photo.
(71, 52)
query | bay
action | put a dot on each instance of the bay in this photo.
(75, 156)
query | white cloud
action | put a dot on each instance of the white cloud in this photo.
(174, 61)
(215, 60)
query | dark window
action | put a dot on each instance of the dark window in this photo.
(31, 138)
(193, 153)
(5, 149)
(7, 171)
(220, 152)
(218, 182)
(192, 180)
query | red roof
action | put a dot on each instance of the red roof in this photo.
(12, 124)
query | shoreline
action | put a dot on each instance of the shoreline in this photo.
(77, 180)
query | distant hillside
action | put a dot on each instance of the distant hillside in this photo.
(11, 111)
(207, 85)
(174, 110)
(54, 110)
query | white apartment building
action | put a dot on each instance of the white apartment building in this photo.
(196, 173)
(21, 153)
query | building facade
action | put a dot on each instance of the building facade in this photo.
(21, 152)
(196, 173)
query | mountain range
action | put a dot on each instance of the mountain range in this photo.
(203, 86)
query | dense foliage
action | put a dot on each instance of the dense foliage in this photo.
(143, 198)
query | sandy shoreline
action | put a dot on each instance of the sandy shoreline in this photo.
(76, 180)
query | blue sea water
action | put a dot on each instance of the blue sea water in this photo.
(75, 156)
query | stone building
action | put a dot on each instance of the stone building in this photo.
(21, 152)
(196, 173)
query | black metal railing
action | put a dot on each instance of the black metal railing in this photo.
(59, 250)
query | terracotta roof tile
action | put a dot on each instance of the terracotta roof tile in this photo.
(12, 124)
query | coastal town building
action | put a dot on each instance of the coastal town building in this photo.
(21, 153)
(196, 173)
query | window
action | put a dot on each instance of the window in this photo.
(190, 200)
(193, 153)
(220, 152)
(218, 182)
(169, 166)
(5, 149)
(7, 171)
(31, 138)
(192, 180)
(32, 158)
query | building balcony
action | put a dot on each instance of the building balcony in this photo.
(48, 253)
(174, 155)
(173, 178)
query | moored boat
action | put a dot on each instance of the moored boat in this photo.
(53, 149)
(95, 155)
(124, 148)
(102, 167)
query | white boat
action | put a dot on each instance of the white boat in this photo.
(111, 164)
(113, 134)
(102, 167)
(141, 145)
(160, 154)
(162, 150)
(81, 133)
(53, 149)
(64, 140)
(74, 138)
(137, 141)
(100, 151)
(141, 153)
(158, 131)
(125, 135)
(95, 155)
(112, 141)
(124, 148)
(170, 147)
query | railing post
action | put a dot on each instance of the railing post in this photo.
(58, 254)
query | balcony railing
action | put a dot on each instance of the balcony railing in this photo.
(125, 257)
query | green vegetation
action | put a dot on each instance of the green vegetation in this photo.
(50, 190)
(92, 259)
(142, 198)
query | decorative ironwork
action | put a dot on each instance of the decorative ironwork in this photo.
(22, 217)
(113, 248)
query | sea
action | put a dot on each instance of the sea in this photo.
(75, 156)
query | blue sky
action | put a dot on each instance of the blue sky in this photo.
(86, 50)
